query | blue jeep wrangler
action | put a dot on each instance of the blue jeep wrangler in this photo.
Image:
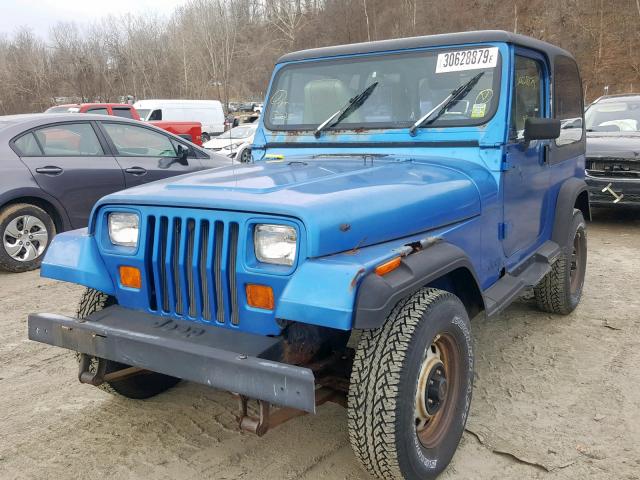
(397, 189)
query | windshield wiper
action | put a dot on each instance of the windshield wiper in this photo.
(352, 105)
(455, 95)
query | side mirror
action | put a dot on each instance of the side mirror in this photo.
(183, 155)
(541, 129)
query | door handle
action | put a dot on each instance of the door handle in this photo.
(50, 170)
(136, 171)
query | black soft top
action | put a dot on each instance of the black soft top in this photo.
(480, 36)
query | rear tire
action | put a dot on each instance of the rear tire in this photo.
(404, 423)
(561, 289)
(26, 232)
(139, 387)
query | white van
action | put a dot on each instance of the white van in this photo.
(208, 112)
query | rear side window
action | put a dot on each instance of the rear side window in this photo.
(99, 111)
(134, 141)
(69, 140)
(156, 115)
(122, 112)
(28, 146)
(567, 100)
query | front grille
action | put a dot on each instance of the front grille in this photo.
(613, 168)
(191, 264)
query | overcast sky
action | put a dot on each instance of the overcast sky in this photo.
(40, 15)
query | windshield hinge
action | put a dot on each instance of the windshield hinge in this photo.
(506, 165)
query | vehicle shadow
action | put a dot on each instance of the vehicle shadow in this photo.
(618, 214)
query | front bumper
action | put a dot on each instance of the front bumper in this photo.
(217, 357)
(628, 189)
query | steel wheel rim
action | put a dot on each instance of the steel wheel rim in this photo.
(25, 238)
(431, 428)
(577, 265)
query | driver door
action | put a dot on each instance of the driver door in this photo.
(145, 154)
(526, 179)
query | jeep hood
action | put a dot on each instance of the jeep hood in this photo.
(344, 203)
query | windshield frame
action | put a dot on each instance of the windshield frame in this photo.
(440, 123)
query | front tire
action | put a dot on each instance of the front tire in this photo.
(139, 387)
(411, 387)
(26, 232)
(205, 137)
(561, 289)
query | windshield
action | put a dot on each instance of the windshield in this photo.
(143, 112)
(240, 132)
(623, 116)
(409, 85)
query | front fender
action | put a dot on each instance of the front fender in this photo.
(569, 192)
(377, 295)
(322, 292)
(74, 257)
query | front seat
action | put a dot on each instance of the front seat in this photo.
(323, 98)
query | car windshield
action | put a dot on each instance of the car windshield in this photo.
(409, 85)
(616, 116)
(143, 112)
(240, 132)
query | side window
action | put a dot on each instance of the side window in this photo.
(526, 101)
(69, 140)
(98, 111)
(134, 141)
(156, 115)
(567, 100)
(28, 146)
(122, 112)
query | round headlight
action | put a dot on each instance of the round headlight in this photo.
(124, 229)
(275, 244)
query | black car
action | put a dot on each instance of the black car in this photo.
(53, 168)
(613, 150)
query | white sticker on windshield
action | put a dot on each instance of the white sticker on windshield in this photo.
(467, 60)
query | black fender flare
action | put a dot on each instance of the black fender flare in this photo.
(565, 203)
(377, 295)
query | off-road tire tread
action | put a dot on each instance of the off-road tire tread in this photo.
(377, 368)
(24, 266)
(93, 301)
(551, 292)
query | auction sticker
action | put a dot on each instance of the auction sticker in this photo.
(467, 60)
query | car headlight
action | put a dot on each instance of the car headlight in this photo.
(275, 244)
(124, 229)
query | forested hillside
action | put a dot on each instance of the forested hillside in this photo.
(226, 48)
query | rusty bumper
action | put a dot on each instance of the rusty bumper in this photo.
(214, 356)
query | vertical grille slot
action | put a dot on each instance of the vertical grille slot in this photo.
(204, 278)
(163, 234)
(217, 269)
(231, 272)
(191, 286)
(150, 273)
(175, 265)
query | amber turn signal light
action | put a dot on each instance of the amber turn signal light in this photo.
(130, 277)
(388, 266)
(260, 296)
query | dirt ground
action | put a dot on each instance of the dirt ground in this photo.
(555, 397)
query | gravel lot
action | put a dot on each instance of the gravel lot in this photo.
(555, 397)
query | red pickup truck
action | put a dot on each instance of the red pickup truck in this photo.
(191, 131)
